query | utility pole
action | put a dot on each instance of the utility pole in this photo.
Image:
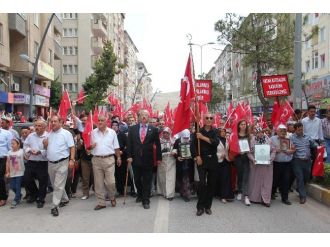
(297, 95)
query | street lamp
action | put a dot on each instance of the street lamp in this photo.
(201, 47)
(156, 92)
(139, 82)
(35, 64)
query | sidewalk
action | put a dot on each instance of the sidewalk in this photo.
(319, 193)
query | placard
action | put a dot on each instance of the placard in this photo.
(244, 145)
(284, 144)
(275, 85)
(204, 90)
(262, 154)
(185, 150)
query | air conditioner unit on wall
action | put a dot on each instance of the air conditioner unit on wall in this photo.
(15, 87)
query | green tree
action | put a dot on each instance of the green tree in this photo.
(55, 93)
(97, 84)
(218, 96)
(264, 40)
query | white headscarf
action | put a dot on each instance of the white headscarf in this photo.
(185, 134)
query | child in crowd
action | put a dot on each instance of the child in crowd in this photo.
(15, 169)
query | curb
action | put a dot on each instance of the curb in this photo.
(319, 193)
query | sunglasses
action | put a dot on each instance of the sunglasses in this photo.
(209, 118)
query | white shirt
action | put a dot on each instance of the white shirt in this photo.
(5, 142)
(313, 128)
(34, 142)
(59, 144)
(106, 142)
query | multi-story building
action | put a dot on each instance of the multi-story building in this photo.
(130, 74)
(20, 37)
(315, 57)
(84, 37)
(143, 85)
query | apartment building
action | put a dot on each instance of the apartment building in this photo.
(315, 57)
(20, 37)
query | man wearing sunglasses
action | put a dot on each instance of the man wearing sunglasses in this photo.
(206, 159)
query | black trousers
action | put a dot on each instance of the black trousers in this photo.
(281, 178)
(207, 181)
(223, 187)
(3, 192)
(120, 175)
(36, 170)
(143, 179)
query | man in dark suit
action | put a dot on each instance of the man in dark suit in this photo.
(142, 137)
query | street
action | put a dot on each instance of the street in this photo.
(165, 216)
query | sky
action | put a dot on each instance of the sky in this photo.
(161, 39)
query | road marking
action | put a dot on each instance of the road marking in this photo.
(162, 214)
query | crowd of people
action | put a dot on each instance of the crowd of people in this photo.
(141, 154)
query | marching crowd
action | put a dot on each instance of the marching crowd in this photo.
(140, 153)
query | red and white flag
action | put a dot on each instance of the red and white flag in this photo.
(65, 105)
(86, 135)
(318, 167)
(187, 93)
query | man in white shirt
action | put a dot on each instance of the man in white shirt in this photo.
(60, 151)
(312, 125)
(313, 128)
(37, 164)
(104, 146)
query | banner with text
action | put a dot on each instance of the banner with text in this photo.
(204, 90)
(275, 85)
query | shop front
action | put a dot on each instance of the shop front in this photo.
(6, 101)
(21, 103)
(41, 103)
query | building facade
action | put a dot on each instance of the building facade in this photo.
(20, 37)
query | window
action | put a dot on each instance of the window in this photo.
(50, 56)
(1, 33)
(70, 69)
(70, 87)
(76, 50)
(322, 34)
(65, 86)
(65, 69)
(322, 58)
(308, 66)
(36, 19)
(65, 50)
(36, 48)
(70, 50)
(65, 32)
(70, 32)
(74, 32)
(75, 87)
(76, 69)
(315, 59)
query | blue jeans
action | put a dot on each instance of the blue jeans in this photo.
(327, 145)
(302, 171)
(15, 185)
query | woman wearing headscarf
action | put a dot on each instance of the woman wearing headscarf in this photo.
(261, 175)
(224, 188)
(166, 171)
(185, 164)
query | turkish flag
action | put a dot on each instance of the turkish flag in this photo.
(276, 107)
(187, 84)
(282, 114)
(96, 116)
(248, 112)
(262, 121)
(318, 166)
(65, 105)
(86, 135)
(183, 112)
(237, 115)
(81, 96)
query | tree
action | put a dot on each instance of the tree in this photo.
(55, 93)
(265, 41)
(97, 84)
(218, 96)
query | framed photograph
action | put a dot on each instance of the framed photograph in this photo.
(185, 150)
(284, 144)
(262, 154)
(244, 145)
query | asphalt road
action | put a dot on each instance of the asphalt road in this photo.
(174, 216)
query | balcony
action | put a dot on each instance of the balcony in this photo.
(57, 51)
(99, 28)
(97, 45)
(57, 25)
(17, 24)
